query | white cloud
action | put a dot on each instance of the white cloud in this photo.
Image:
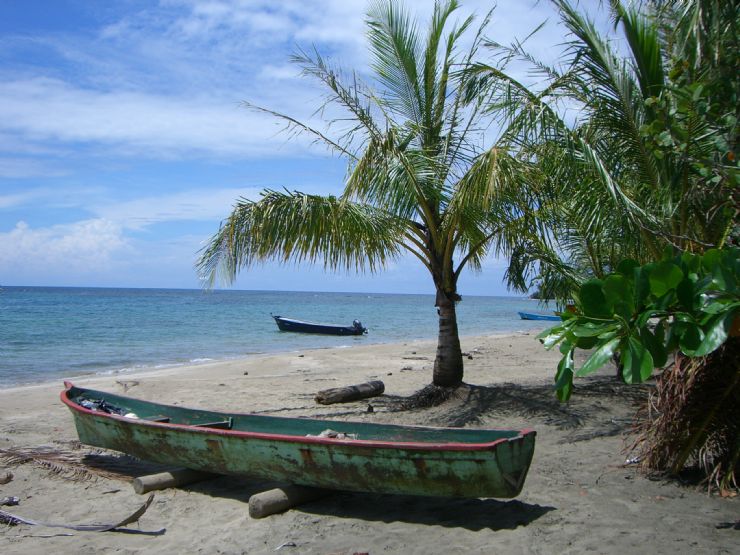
(81, 247)
(150, 125)
(202, 205)
(15, 168)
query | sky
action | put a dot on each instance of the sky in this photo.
(124, 141)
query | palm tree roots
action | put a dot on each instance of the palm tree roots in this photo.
(429, 396)
(692, 420)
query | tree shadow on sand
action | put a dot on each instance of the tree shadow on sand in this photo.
(601, 402)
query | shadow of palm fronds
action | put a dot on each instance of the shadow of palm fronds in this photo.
(73, 461)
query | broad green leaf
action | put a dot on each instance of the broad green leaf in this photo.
(715, 306)
(723, 278)
(710, 259)
(566, 346)
(691, 261)
(685, 294)
(691, 338)
(627, 267)
(564, 377)
(637, 361)
(593, 300)
(664, 277)
(716, 333)
(642, 285)
(592, 329)
(599, 357)
(586, 343)
(552, 336)
(655, 346)
(619, 292)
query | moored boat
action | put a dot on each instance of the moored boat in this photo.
(291, 324)
(354, 456)
(537, 316)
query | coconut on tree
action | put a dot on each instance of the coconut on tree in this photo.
(418, 179)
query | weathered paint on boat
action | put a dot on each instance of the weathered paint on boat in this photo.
(384, 458)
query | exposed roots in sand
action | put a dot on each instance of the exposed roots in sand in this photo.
(429, 396)
(692, 421)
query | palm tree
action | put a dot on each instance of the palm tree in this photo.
(418, 181)
(647, 162)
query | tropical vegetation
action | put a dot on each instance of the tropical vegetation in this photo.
(418, 181)
(613, 184)
(631, 147)
(687, 308)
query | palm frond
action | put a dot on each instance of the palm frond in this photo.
(292, 226)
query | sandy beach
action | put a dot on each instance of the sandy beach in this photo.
(579, 496)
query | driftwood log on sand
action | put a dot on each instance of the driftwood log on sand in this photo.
(350, 393)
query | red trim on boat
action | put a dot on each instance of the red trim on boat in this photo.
(298, 439)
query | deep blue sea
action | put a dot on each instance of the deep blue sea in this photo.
(49, 333)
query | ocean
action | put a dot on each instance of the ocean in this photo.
(49, 333)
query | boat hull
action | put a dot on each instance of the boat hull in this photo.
(436, 468)
(535, 316)
(288, 324)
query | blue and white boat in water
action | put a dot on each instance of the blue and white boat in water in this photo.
(537, 316)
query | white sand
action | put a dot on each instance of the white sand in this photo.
(578, 497)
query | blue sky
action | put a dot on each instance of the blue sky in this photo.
(123, 143)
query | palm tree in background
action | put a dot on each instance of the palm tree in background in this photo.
(631, 149)
(418, 179)
(644, 163)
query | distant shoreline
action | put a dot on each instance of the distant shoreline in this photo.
(193, 366)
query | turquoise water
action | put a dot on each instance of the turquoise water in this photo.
(49, 333)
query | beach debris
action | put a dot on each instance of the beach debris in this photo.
(13, 520)
(285, 544)
(127, 384)
(5, 477)
(76, 463)
(101, 405)
(334, 435)
(246, 373)
(170, 479)
(350, 393)
(9, 501)
(281, 499)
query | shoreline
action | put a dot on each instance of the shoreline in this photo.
(578, 496)
(148, 371)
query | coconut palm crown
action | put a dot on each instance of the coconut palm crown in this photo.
(418, 179)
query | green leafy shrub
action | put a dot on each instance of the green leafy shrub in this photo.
(685, 303)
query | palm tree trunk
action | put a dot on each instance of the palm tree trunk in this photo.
(448, 365)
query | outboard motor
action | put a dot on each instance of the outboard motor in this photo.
(358, 325)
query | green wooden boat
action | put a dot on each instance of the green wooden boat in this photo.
(362, 456)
